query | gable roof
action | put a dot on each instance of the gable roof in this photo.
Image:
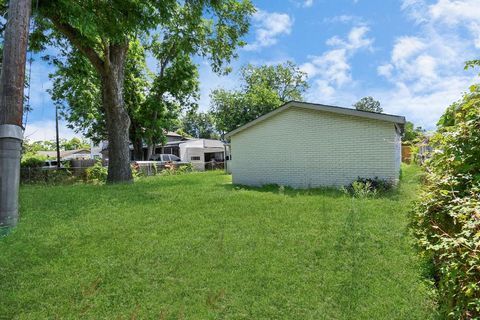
(63, 153)
(173, 134)
(399, 120)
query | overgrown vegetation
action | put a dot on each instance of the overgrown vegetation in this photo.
(368, 187)
(446, 220)
(96, 173)
(177, 170)
(195, 247)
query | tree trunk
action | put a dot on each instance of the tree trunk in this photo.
(12, 80)
(117, 119)
(151, 145)
(150, 150)
(138, 149)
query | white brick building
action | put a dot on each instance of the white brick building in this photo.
(306, 145)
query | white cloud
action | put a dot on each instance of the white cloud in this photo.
(405, 47)
(303, 3)
(454, 12)
(331, 70)
(269, 26)
(344, 18)
(356, 39)
(426, 69)
(474, 28)
(307, 3)
(385, 70)
(332, 66)
(45, 130)
(424, 108)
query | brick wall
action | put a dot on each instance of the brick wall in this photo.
(305, 148)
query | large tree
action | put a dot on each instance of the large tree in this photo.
(153, 100)
(263, 89)
(199, 124)
(102, 31)
(412, 134)
(368, 104)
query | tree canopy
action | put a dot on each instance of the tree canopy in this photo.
(411, 133)
(101, 32)
(262, 89)
(199, 125)
(51, 145)
(368, 104)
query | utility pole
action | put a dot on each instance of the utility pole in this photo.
(12, 81)
(56, 136)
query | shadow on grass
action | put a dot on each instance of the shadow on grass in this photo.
(393, 194)
(288, 191)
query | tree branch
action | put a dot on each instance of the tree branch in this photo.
(75, 38)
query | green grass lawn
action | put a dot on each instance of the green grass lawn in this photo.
(196, 247)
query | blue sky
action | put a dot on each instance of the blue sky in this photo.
(408, 54)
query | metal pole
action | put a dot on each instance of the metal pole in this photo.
(56, 134)
(11, 137)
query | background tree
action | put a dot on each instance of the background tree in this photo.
(368, 104)
(412, 134)
(199, 125)
(102, 31)
(263, 89)
(51, 145)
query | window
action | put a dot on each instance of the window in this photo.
(174, 158)
(195, 158)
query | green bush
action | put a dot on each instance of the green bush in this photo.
(175, 170)
(96, 173)
(368, 187)
(32, 161)
(446, 219)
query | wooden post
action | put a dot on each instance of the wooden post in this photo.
(12, 82)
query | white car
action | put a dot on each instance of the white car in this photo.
(51, 164)
(165, 158)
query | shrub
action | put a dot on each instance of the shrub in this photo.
(97, 173)
(446, 219)
(32, 161)
(175, 170)
(368, 187)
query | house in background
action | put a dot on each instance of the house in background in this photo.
(306, 145)
(203, 154)
(171, 146)
(79, 154)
